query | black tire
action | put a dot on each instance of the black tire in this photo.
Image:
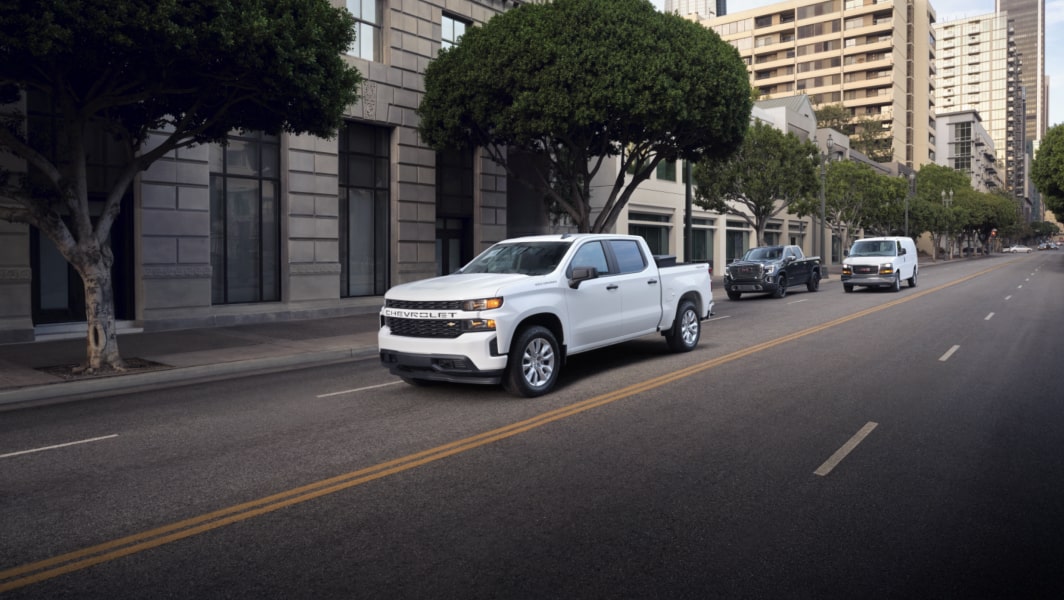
(847, 288)
(734, 295)
(896, 285)
(781, 287)
(686, 329)
(535, 362)
(912, 280)
(814, 281)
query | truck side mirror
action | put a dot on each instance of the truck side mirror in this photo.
(581, 274)
(902, 251)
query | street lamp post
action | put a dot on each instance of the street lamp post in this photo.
(911, 194)
(947, 202)
(823, 189)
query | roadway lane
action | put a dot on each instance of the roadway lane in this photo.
(701, 486)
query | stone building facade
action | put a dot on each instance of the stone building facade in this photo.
(295, 226)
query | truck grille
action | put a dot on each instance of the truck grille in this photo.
(425, 305)
(746, 272)
(865, 270)
(424, 328)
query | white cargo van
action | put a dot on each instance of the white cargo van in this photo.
(880, 262)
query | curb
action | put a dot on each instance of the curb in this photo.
(180, 375)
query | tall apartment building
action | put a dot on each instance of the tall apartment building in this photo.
(875, 57)
(978, 69)
(962, 143)
(703, 8)
(1029, 19)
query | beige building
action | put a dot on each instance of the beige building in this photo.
(657, 209)
(876, 58)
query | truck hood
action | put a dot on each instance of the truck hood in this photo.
(460, 286)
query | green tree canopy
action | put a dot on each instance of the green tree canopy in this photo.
(771, 171)
(833, 116)
(185, 72)
(572, 82)
(1047, 170)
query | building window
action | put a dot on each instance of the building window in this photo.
(667, 170)
(364, 218)
(367, 42)
(245, 219)
(701, 241)
(652, 228)
(453, 30)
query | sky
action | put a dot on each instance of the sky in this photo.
(948, 10)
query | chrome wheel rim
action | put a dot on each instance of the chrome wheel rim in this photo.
(689, 328)
(537, 363)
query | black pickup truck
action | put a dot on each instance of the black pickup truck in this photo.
(771, 270)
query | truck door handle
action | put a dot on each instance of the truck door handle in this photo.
(612, 286)
(652, 282)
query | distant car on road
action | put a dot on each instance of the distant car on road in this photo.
(1015, 249)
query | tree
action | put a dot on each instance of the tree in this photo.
(771, 171)
(833, 116)
(871, 139)
(155, 76)
(570, 83)
(1047, 170)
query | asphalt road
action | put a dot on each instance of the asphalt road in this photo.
(828, 445)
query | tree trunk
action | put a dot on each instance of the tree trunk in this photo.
(102, 340)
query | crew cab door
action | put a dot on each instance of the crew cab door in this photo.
(595, 305)
(640, 285)
(797, 269)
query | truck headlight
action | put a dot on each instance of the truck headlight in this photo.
(847, 270)
(481, 304)
(886, 269)
(770, 269)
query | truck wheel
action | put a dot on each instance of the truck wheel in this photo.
(912, 280)
(734, 295)
(686, 329)
(814, 282)
(534, 363)
(896, 285)
(781, 287)
(847, 288)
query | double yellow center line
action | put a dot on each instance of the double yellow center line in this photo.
(39, 571)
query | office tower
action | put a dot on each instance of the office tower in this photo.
(874, 58)
(977, 66)
(1028, 17)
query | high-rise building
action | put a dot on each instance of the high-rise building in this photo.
(875, 58)
(1028, 16)
(701, 8)
(978, 69)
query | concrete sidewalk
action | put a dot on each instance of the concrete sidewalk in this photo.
(185, 355)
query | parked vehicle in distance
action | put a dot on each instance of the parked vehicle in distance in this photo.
(880, 262)
(520, 308)
(1018, 249)
(771, 270)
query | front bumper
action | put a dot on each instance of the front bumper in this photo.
(454, 369)
(469, 358)
(869, 280)
(768, 284)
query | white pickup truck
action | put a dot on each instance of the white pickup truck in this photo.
(515, 312)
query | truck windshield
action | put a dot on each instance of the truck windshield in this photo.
(877, 248)
(764, 254)
(530, 258)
